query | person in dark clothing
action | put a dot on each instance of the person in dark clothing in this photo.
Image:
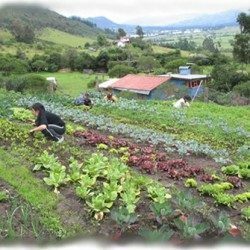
(83, 99)
(51, 125)
(87, 101)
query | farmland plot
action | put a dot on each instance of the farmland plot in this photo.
(118, 178)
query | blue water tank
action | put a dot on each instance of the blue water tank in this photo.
(185, 70)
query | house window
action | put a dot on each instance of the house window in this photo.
(194, 83)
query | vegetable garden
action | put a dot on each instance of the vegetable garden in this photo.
(129, 171)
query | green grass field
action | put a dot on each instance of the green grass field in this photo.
(73, 83)
(159, 49)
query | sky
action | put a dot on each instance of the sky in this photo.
(142, 12)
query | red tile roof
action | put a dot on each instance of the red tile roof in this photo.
(137, 82)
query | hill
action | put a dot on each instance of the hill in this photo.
(60, 37)
(218, 20)
(222, 19)
(39, 18)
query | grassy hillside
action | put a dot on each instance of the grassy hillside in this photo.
(159, 49)
(39, 18)
(60, 37)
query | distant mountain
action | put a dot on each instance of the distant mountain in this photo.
(217, 20)
(227, 18)
(38, 18)
(105, 23)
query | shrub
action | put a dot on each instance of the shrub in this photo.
(175, 64)
(10, 64)
(120, 71)
(243, 89)
(30, 83)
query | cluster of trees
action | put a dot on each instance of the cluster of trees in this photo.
(22, 32)
(226, 75)
(138, 57)
(208, 45)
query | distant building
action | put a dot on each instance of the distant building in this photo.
(123, 41)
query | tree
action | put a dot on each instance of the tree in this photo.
(241, 44)
(148, 63)
(208, 44)
(85, 61)
(244, 21)
(54, 62)
(241, 48)
(121, 33)
(101, 40)
(120, 71)
(22, 33)
(225, 77)
(139, 31)
(39, 65)
(69, 59)
(184, 44)
(101, 61)
(243, 89)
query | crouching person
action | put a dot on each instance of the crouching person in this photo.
(51, 125)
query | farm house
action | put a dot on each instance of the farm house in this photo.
(146, 87)
(160, 87)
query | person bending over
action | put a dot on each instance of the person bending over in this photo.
(51, 125)
(183, 102)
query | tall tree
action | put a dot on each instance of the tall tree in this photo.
(241, 48)
(121, 33)
(241, 44)
(139, 31)
(244, 21)
(208, 44)
(101, 40)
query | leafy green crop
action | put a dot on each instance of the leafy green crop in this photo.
(189, 229)
(22, 114)
(245, 213)
(157, 235)
(242, 170)
(123, 217)
(191, 183)
(214, 189)
(3, 196)
(244, 197)
(102, 146)
(161, 210)
(158, 193)
(225, 199)
(75, 170)
(56, 179)
(46, 161)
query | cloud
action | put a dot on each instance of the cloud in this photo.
(146, 11)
